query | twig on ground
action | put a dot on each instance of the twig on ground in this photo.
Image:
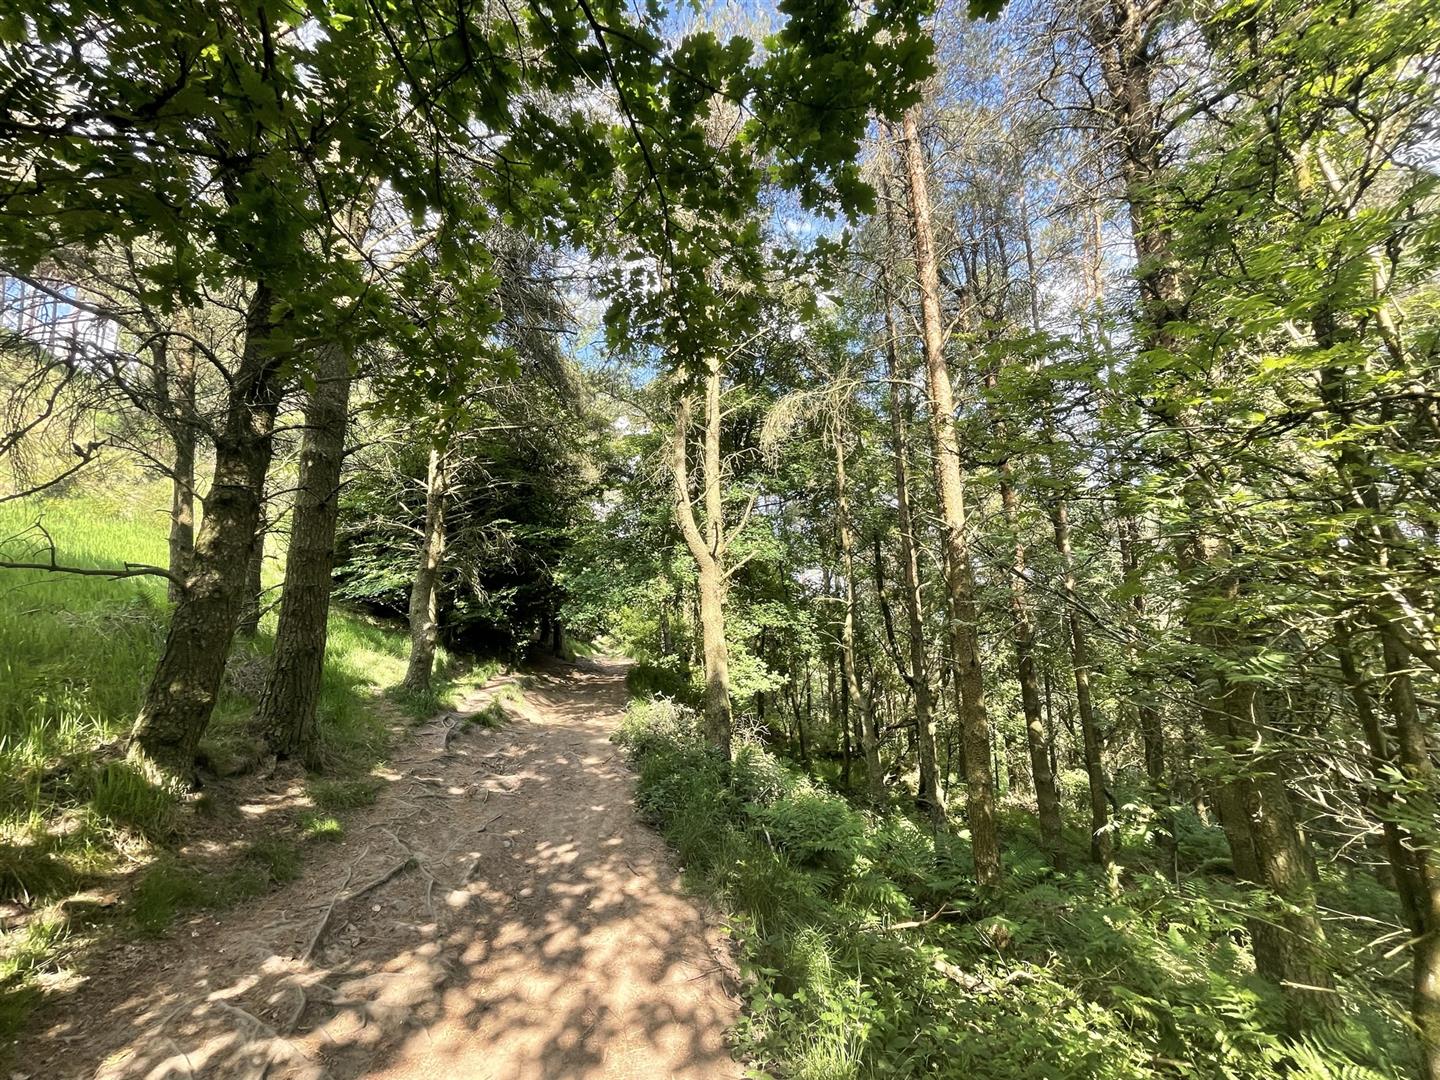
(394, 872)
(910, 925)
(475, 862)
(298, 1011)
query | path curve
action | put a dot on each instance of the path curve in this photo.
(533, 927)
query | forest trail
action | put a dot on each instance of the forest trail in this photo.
(533, 926)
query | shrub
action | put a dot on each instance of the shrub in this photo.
(671, 680)
(867, 954)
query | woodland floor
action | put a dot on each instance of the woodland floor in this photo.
(500, 911)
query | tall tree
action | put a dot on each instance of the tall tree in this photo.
(949, 482)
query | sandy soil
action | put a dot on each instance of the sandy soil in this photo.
(499, 912)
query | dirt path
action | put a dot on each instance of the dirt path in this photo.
(533, 927)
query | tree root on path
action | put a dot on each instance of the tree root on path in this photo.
(342, 897)
(469, 875)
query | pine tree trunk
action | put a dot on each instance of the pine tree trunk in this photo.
(248, 623)
(933, 801)
(287, 710)
(1412, 857)
(1037, 738)
(425, 589)
(1047, 797)
(186, 683)
(869, 742)
(1415, 755)
(949, 483)
(1152, 729)
(1289, 951)
(1102, 849)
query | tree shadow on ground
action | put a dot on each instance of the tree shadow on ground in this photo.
(500, 911)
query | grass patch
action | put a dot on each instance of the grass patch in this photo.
(75, 655)
(342, 794)
(171, 886)
(321, 827)
(123, 796)
(491, 715)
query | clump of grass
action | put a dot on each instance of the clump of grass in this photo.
(167, 887)
(490, 716)
(342, 794)
(321, 827)
(171, 886)
(29, 868)
(124, 796)
(418, 704)
(40, 947)
(453, 682)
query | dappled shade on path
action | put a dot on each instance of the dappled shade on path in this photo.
(532, 927)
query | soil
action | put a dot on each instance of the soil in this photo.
(500, 911)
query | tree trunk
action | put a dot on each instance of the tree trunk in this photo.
(1047, 798)
(933, 792)
(186, 683)
(869, 741)
(248, 623)
(1288, 952)
(1412, 854)
(1037, 738)
(708, 551)
(1102, 848)
(801, 719)
(949, 483)
(182, 478)
(1152, 729)
(1415, 756)
(425, 589)
(1253, 801)
(287, 711)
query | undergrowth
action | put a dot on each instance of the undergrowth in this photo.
(75, 652)
(867, 952)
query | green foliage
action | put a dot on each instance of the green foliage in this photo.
(1054, 978)
(665, 678)
(342, 794)
(320, 827)
(171, 886)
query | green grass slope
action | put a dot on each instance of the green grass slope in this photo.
(75, 654)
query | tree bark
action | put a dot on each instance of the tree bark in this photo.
(949, 483)
(869, 740)
(186, 683)
(181, 409)
(248, 623)
(425, 589)
(1152, 728)
(708, 551)
(1037, 737)
(930, 786)
(1415, 756)
(1102, 847)
(288, 706)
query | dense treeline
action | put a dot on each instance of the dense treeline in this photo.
(1025, 427)
(1099, 481)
